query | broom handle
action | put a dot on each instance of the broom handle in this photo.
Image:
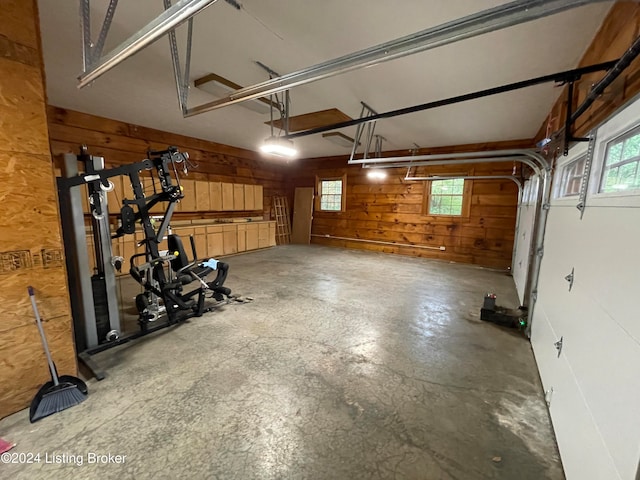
(54, 375)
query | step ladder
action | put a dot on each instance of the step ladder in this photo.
(280, 209)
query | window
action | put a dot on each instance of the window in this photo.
(331, 194)
(621, 164)
(446, 197)
(572, 174)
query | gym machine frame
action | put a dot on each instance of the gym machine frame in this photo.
(94, 301)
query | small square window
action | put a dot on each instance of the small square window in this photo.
(621, 171)
(446, 197)
(331, 194)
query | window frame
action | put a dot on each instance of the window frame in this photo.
(565, 180)
(466, 198)
(604, 168)
(343, 195)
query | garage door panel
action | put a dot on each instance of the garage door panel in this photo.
(604, 359)
(582, 449)
(608, 263)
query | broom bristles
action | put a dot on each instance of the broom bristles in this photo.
(56, 399)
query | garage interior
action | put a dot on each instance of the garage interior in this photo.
(448, 156)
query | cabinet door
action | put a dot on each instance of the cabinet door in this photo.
(188, 203)
(272, 234)
(215, 193)
(215, 241)
(238, 196)
(258, 197)
(252, 236)
(242, 238)
(227, 197)
(201, 242)
(249, 197)
(263, 235)
(203, 198)
(230, 239)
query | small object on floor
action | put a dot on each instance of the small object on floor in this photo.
(240, 299)
(61, 392)
(5, 446)
(497, 459)
(490, 312)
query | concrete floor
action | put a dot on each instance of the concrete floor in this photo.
(347, 365)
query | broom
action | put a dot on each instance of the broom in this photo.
(61, 392)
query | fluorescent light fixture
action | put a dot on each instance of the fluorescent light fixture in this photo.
(376, 174)
(278, 146)
(221, 87)
(339, 139)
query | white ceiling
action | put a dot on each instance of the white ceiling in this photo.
(288, 35)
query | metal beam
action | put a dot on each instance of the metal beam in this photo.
(182, 11)
(503, 16)
(483, 156)
(559, 77)
(629, 56)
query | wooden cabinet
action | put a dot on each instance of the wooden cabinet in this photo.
(258, 198)
(203, 198)
(249, 197)
(188, 203)
(252, 242)
(215, 194)
(211, 241)
(238, 196)
(272, 234)
(227, 196)
(200, 236)
(230, 239)
(215, 241)
(263, 235)
(242, 237)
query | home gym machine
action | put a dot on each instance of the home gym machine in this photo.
(166, 276)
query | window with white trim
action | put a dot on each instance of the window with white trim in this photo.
(572, 175)
(621, 170)
(331, 194)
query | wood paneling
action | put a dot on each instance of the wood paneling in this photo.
(392, 211)
(30, 239)
(123, 143)
(617, 32)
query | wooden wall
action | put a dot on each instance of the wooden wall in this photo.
(392, 210)
(124, 143)
(618, 31)
(30, 239)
